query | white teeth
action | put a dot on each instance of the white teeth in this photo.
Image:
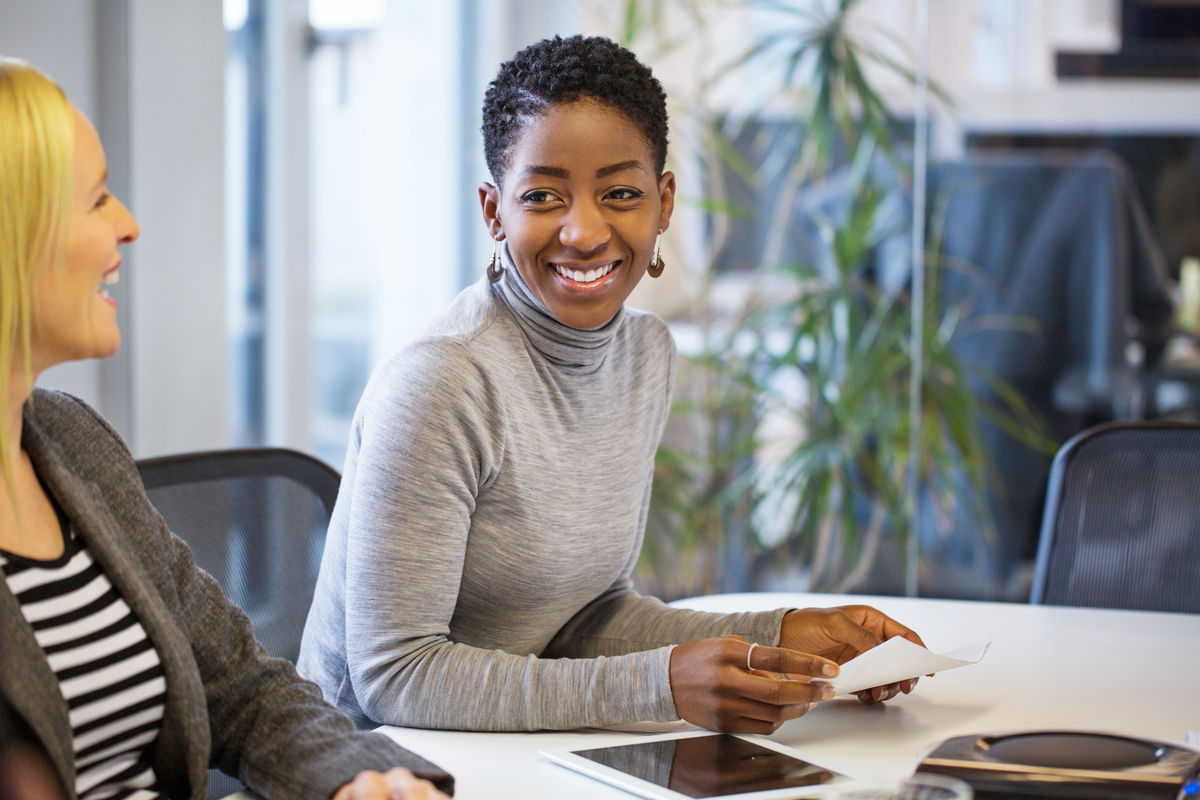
(584, 277)
(111, 278)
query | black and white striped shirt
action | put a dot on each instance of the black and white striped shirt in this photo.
(107, 668)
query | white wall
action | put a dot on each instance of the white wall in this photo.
(176, 86)
(159, 66)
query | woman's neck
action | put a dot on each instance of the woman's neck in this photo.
(28, 523)
(19, 388)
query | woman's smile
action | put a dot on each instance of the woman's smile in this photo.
(109, 278)
(585, 277)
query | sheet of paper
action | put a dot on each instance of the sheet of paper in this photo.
(899, 659)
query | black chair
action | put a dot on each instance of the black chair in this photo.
(255, 519)
(1121, 527)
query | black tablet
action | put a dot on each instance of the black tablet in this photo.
(701, 765)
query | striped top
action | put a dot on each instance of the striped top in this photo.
(108, 671)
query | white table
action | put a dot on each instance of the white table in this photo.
(1129, 672)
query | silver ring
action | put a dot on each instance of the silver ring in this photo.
(748, 652)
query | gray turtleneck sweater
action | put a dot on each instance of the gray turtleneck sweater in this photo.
(477, 570)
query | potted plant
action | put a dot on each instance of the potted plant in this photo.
(805, 452)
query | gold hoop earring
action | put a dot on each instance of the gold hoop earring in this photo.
(656, 264)
(495, 270)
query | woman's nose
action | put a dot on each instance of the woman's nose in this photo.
(585, 227)
(127, 227)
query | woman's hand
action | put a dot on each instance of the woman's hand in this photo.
(842, 633)
(395, 784)
(713, 687)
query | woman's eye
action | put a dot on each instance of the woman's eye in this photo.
(625, 194)
(537, 196)
(100, 201)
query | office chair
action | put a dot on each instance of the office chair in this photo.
(255, 520)
(1121, 527)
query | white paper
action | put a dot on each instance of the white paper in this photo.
(899, 659)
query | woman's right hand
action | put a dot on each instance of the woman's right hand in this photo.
(395, 784)
(713, 688)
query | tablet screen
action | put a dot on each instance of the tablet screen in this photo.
(710, 766)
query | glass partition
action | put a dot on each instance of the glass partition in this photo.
(919, 244)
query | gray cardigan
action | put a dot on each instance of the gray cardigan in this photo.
(228, 703)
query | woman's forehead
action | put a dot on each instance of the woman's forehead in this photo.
(578, 133)
(89, 164)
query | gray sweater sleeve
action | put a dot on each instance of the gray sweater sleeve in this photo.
(623, 621)
(427, 445)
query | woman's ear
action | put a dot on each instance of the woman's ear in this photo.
(666, 196)
(489, 202)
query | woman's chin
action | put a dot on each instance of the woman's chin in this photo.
(102, 346)
(109, 348)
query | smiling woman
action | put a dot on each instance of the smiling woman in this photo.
(477, 570)
(123, 662)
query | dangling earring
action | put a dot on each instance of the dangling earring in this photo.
(656, 264)
(495, 270)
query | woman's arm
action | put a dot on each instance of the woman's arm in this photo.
(623, 621)
(268, 726)
(427, 445)
(271, 728)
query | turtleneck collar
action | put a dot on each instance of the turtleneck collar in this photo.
(566, 347)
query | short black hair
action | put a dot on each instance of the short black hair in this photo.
(556, 71)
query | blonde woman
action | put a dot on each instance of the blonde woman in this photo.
(121, 659)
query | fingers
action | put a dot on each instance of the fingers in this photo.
(765, 718)
(884, 626)
(406, 786)
(725, 684)
(878, 694)
(395, 784)
(791, 662)
(851, 630)
(365, 786)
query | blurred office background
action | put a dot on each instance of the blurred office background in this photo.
(305, 174)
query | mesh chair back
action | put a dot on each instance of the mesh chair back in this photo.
(1121, 527)
(255, 519)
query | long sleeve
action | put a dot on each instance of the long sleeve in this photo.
(269, 727)
(474, 534)
(621, 620)
(425, 454)
(228, 702)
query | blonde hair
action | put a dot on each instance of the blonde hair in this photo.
(37, 143)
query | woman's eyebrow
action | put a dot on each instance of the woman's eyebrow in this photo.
(100, 182)
(554, 172)
(619, 167)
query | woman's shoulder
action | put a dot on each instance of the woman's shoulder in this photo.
(648, 332)
(63, 432)
(646, 322)
(473, 313)
(472, 341)
(71, 423)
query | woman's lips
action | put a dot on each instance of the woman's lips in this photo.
(585, 275)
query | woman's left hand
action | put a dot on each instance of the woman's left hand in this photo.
(395, 784)
(840, 634)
